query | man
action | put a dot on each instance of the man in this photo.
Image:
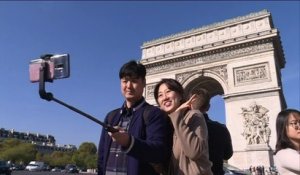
(219, 139)
(138, 144)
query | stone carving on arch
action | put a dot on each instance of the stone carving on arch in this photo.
(256, 124)
(150, 91)
(182, 77)
(217, 73)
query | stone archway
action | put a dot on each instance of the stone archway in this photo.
(209, 80)
(240, 59)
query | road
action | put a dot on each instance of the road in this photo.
(44, 173)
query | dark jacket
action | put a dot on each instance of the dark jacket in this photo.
(152, 143)
(219, 144)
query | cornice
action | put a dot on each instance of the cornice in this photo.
(216, 55)
(205, 28)
(213, 46)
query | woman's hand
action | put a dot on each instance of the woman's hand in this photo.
(187, 104)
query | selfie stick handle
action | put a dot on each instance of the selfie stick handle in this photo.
(49, 96)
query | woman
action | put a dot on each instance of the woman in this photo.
(190, 144)
(287, 152)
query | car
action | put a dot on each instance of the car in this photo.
(56, 169)
(35, 166)
(70, 168)
(231, 170)
(4, 168)
(16, 167)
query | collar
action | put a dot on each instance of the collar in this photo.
(135, 107)
(205, 116)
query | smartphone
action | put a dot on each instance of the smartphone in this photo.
(55, 67)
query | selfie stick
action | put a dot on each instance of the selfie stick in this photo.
(49, 96)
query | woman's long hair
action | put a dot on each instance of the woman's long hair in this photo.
(281, 127)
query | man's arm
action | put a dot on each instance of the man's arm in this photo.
(101, 153)
(101, 148)
(158, 144)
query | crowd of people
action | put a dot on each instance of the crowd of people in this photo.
(177, 137)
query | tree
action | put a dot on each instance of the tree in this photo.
(60, 159)
(88, 147)
(17, 151)
(85, 156)
(91, 161)
(21, 152)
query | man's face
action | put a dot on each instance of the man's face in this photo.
(132, 88)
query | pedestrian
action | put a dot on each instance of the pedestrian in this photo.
(190, 144)
(287, 150)
(138, 144)
(219, 139)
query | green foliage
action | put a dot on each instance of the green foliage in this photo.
(78, 158)
(88, 147)
(91, 161)
(17, 151)
(20, 152)
(46, 158)
(60, 159)
(85, 156)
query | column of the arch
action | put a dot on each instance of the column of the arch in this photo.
(253, 94)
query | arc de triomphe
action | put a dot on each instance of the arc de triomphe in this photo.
(240, 59)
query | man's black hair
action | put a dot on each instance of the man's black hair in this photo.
(204, 97)
(132, 69)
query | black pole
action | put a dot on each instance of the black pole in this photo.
(105, 126)
(49, 96)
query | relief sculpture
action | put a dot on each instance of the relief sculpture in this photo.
(150, 91)
(251, 74)
(183, 76)
(256, 124)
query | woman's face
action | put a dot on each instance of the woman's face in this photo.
(168, 100)
(293, 128)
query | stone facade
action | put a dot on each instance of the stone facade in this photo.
(240, 59)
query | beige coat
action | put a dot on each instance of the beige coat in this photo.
(190, 144)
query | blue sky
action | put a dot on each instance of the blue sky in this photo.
(100, 36)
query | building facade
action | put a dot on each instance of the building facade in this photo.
(43, 143)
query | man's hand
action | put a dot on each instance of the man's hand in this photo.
(121, 137)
